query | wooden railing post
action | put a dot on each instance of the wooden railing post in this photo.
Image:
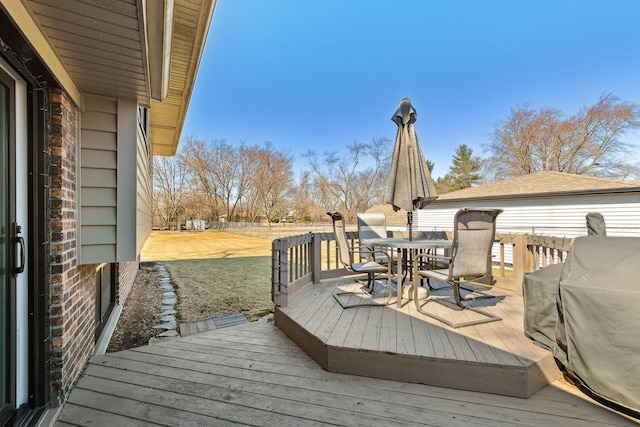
(280, 272)
(315, 258)
(519, 257)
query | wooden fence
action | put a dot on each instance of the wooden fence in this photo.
(308, 258)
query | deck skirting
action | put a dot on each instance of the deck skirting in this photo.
(519, 375)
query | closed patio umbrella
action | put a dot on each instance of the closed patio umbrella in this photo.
(409, 185)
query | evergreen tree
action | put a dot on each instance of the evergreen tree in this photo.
(463, 173)
(430, 165)
(465, 170)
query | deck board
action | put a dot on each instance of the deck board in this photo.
(493, 357)
(353, 339)
(404, 334)
(388, 331)
(199, 380)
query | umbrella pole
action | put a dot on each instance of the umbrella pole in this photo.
(410, 222)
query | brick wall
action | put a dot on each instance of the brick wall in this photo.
(72, 287)
(126, 276)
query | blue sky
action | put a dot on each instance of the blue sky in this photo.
(319, 74)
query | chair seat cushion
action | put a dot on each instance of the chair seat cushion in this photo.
(382, 258)
(441, 275)
(369, 266)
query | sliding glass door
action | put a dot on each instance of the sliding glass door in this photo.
(6, 281)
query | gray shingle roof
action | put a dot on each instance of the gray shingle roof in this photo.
(394, 219)
(546, 183)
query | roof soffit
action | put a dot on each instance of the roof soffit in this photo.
(101, 44)
(190, 27)
(147, 50)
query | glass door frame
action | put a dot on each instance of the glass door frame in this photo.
(8, 383)
(34, 122)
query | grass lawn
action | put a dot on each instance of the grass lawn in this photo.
(215, 273)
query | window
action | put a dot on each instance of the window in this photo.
(105, 294)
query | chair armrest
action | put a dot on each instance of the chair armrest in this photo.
(369, 251)
(433, 261)
(433, 256)
(441, 275)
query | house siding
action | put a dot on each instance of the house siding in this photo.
(98, 180)
(127, 187)
(109, 181)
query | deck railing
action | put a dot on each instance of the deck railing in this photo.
(308, 258)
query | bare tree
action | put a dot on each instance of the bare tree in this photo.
(588, 142)
(304, 200)
(270, 180)
(243, 182)
(199, 159)
(169, 186)
(522, 144)
(228, 175)
(352, 182)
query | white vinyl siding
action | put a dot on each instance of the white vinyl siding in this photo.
(551, 216)
(561, 216)
(108, 140)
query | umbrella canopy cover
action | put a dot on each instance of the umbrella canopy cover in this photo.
(409, 185)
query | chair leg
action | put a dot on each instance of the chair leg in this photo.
(368, 291)
(458, 299)
(479, 294)
(489, 317)
(371, 284)
(428, 284)
(456, 293)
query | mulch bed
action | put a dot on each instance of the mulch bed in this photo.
(140, 313)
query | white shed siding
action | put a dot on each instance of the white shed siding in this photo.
(557, 216)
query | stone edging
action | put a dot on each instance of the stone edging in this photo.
(169, 302)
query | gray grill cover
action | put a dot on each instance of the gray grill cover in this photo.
(596, 225)
(598, 325)
(539, 291)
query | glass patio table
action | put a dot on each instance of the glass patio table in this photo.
(406, 248)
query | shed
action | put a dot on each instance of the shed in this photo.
(196, 224)
(549, 203)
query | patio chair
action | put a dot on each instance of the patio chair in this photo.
(470, 262)
(373, 225)
(369, 266)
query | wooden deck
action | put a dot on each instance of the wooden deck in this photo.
(252, 374)
(404, 345)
